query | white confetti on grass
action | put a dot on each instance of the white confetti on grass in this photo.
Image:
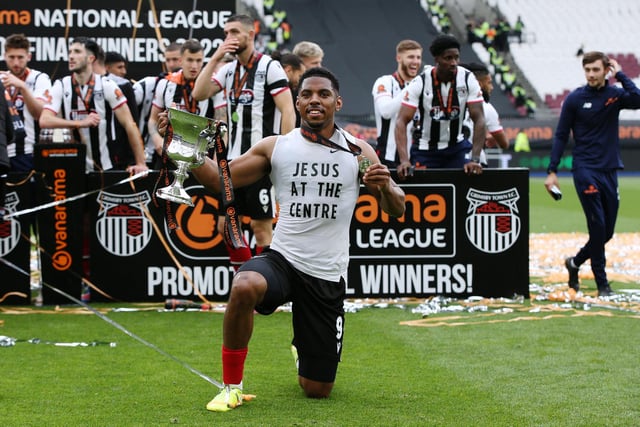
(547, 252)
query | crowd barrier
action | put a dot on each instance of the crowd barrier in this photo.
(460, 236)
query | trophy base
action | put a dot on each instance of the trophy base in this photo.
(175, 194)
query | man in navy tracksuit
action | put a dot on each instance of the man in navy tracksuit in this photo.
(591, 114)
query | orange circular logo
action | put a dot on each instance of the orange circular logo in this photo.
(61, 260)
(197, 225)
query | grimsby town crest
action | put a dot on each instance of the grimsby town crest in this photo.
(9, 228)
(122, 228)
(492, 223)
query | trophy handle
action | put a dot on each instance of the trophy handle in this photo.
(213, 130)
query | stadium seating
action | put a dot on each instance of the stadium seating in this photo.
(555, 30)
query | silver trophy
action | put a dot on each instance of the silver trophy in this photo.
(192, 137)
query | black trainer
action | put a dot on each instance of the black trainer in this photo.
(574, 281)
(605, 291)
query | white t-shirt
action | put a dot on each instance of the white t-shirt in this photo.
(317, 189)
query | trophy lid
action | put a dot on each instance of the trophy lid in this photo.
(187, 125)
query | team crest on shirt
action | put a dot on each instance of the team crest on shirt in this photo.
(9, 228)
(492, 223)
(98, 95)
(462, 91)
(122, 227)
(245, 98)
(260, 76)
(47, 96)
(19, 103)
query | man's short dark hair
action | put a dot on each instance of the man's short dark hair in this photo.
(173, 46)
(476, 68)
(289, 59)
(321, 72)
(245, 20)
(17, 41)
(89, 44)
(591, 57)
(442, 43)
(113, 58)
(191, 46)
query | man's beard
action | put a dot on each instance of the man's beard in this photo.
(20, 72)
(407, 72)
(316, 125)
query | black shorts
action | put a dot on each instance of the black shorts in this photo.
(317, 312)
(255, 200)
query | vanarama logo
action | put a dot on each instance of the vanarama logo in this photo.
(15, 17)
(61, 258)
(492, 223)
(427, 224)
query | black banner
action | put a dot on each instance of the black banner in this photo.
(131, 261)
(460, 236)
(136, 29)
(61, 228)
(15, 243)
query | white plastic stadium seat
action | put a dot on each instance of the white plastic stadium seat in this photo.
(561, 27)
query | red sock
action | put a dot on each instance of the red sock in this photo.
(259, 249)
(233, 365)
(237, 257)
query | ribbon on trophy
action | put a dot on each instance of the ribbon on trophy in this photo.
(163, 176)
(233, 228)
(188, 140)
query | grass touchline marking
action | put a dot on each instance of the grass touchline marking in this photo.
(120, 327)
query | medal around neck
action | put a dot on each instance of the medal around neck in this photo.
(192, 137)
